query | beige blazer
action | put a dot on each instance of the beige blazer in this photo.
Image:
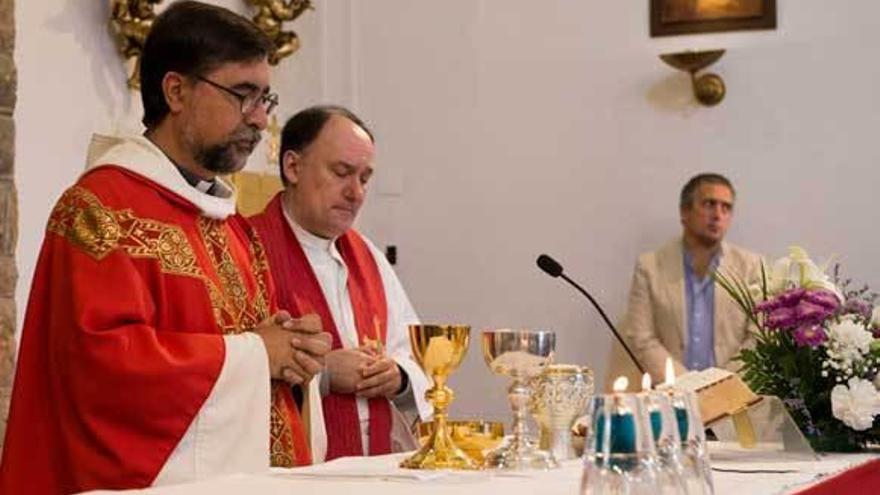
(655, 325)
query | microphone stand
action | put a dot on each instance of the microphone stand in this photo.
(607, 321)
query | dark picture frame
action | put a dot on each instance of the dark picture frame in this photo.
(672, 17)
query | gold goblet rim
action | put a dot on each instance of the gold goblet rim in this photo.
(440, 325)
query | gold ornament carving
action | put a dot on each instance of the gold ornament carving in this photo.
(270, 18)
(131, 20)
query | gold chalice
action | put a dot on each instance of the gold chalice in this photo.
(473, 436)
(439, 349)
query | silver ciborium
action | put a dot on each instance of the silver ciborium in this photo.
(521, 355)
(559, 396)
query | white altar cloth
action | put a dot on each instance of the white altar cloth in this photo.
(733, 475)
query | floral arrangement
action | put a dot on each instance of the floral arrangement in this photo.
(816, 348)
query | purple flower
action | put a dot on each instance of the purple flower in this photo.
(823, 298)
(784, 300)
(807, 311)
(810, 335)
(798, 308)
(781, 318)
(858, 307)
(792, 297)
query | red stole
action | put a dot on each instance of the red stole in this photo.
(300, 293)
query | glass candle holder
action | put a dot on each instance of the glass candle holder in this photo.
(693, 455)
(619, 453)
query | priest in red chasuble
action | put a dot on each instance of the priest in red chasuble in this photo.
(152, 350)
(321, 264)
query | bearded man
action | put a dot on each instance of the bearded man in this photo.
(152, 351)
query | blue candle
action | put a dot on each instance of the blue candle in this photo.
(656, 423)
(623, 433)
(681, 416)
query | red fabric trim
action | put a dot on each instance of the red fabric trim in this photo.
(864, 478)
(300, 293)
(301, 450)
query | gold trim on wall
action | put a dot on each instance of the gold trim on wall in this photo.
(131, 20)
(270, 18)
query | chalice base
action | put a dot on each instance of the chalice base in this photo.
(519, 454)
(439, 453)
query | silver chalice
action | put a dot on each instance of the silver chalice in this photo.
(521, 355)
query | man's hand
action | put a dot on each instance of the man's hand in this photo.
(295, 346)
(346, 367)
(279, 349)
(381, 379)
(311, 344)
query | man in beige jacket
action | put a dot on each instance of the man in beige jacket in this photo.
(675, 309)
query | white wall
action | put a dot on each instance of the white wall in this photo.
(508, 128)
(511, 128)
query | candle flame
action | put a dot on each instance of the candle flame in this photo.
(620, 384)
(670, 372)
(646, 381)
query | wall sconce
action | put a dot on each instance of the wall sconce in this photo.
(708, 88)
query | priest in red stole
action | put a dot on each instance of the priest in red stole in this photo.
(321, 264)
(151, 331)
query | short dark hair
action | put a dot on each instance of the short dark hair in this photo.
(302, 129)
(690, 189)
(193, 38)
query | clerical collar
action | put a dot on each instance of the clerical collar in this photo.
(202, 185)
(208, 187)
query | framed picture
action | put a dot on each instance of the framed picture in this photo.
(670, 17)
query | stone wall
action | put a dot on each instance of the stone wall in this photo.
(8, 210)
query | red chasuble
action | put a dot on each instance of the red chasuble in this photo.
(122, 340)
(299, 292)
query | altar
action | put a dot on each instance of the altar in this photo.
(736, 475)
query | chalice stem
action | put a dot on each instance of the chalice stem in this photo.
(518, 395)
(560, 444)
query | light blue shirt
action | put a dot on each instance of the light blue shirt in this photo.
(699, 352)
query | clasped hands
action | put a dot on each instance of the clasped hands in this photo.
(364, 371)
(296, 347)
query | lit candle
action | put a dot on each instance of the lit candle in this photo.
(622, 423)
(681, 415)
(653, 410)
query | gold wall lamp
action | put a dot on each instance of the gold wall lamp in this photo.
(708, 88)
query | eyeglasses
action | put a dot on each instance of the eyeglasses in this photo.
(249, 101)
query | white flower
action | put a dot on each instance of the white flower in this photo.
(798, 270)
(856, 403)
(848, 341)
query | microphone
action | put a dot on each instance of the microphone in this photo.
(552, 267)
